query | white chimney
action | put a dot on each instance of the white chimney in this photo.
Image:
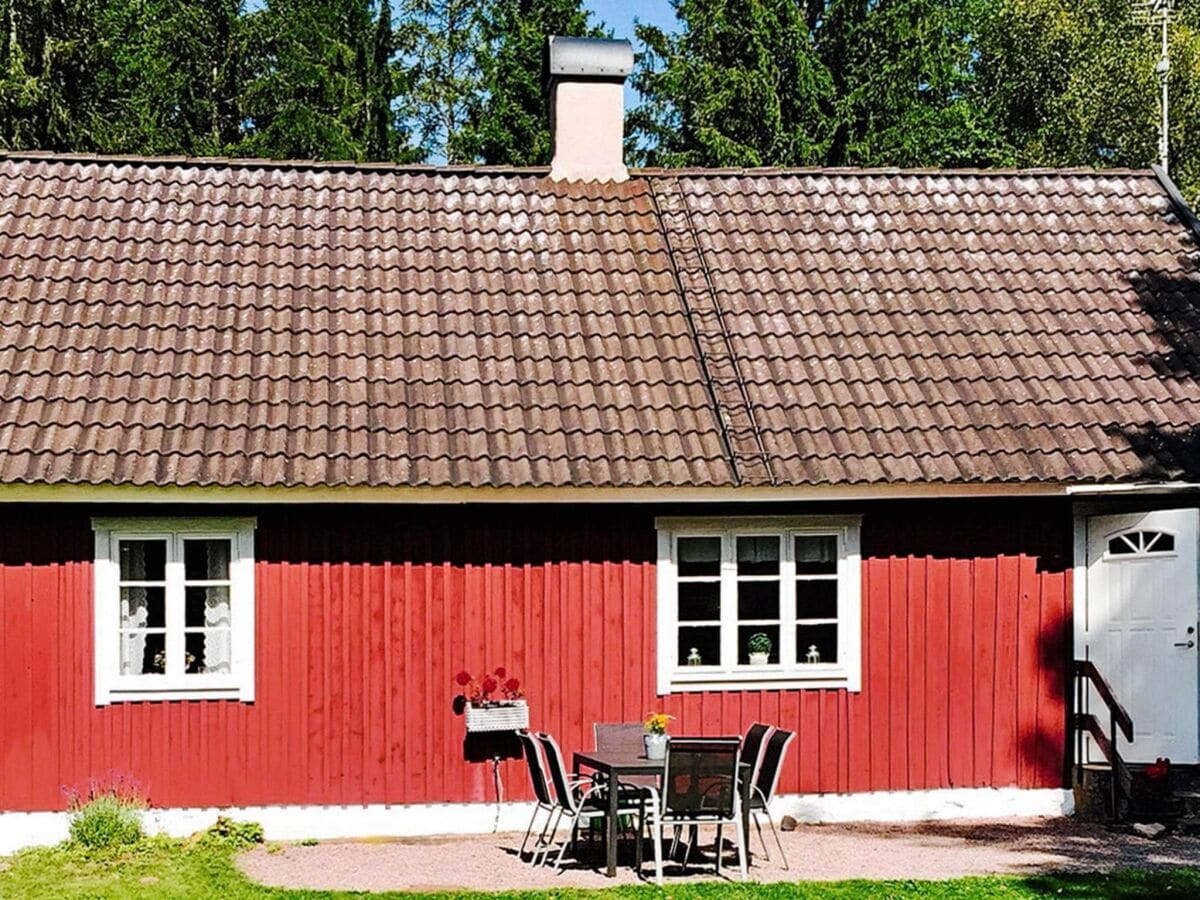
(586, 79)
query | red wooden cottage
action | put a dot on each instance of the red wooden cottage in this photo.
(284, 446)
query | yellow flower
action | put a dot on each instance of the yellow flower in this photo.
(656, 723)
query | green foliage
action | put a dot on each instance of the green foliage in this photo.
(739, 82)
(775, 82)
(232, 833)
(174, 89)
(105, 822)
(507, 120)
(1073, 83)
(50, 51)
(760, 642)
(914, 83)
(322, 83)
(445, 72)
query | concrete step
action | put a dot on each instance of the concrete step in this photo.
(1145, 800)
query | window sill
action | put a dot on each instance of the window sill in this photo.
(163, 694)
(760, 678)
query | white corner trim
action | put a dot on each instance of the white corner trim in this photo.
(289, 823)
(1078, 588)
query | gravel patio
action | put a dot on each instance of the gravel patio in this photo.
(931, 850)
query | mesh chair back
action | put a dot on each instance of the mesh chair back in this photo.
(700, 778)
(617, 737)
(537, 775)
(625, 739)
(558, 770)
(752, 745)
(772, 763)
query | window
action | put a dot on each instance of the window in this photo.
(174, 616)
(785, 590)
(1133, 544)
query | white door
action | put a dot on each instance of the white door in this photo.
(1140, 627)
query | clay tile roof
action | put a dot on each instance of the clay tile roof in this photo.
(210, 322)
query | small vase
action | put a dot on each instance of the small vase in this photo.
(759, 659)
(656, 746)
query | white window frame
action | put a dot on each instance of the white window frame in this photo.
(1137, 555)
(111, 685)
(846, 673)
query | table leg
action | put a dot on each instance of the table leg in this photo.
(610, 826)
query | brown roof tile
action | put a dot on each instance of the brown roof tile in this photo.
(240, 323)
(957, 326)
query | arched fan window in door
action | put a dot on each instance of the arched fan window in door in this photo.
(1141, 543)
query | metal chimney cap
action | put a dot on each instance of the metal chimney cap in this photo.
(576, 57)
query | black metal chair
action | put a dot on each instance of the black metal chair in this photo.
(752, 746)
(581, 799)
(541, 792)
(618, 736)
(700, 787)
(765, 782)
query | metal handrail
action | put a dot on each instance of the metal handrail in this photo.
(1085, 671)
(1085, 668)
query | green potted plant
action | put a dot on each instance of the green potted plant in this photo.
(759, 646)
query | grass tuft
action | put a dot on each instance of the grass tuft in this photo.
(106, 822)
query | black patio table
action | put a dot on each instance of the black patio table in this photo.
(614, 764)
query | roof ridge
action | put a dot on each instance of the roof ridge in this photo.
(644, 172)
(1036, 171)
(256, 162)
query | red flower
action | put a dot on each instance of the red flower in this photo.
(489, 684)
(500, 673)
(1160, 768)
(463, 678)
(512, 685)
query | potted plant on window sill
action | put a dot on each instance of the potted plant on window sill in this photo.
(656, 735)
(759, 646)
(486, 712)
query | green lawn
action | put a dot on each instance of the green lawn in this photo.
(161, 868)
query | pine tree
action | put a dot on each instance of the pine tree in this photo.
(50, 53)
(445, 73)
(173, 77)
(320, 89)
(775, 82)
(507, 120)
(740, 84)
(381, 89)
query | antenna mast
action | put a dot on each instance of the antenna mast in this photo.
(1160, 14)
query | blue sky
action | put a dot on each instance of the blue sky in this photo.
(619, 14)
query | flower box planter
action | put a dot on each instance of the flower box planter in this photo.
(503, 715)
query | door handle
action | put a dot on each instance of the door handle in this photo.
(1188, 644)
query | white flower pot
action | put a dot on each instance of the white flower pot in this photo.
(505, 715)
(656, 746)
(759, 659)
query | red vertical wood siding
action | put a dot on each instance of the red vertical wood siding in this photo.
(365, 615)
